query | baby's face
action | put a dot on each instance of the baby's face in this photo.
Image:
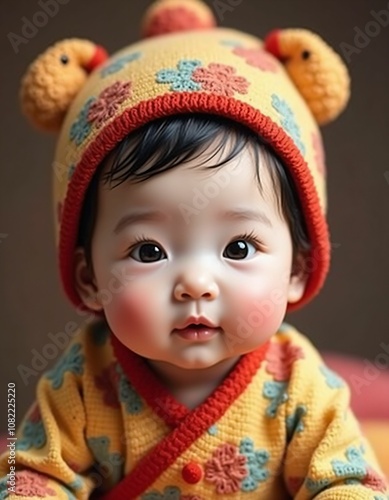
(213, 246)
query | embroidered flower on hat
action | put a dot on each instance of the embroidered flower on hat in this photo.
(231, 43)
(72, 362)
(226, 469)
(256, 461)
(29, 484)
(288, 121)
(108, 102)
(257, 57)
(118, 64)
(221, 79)
(280, 359)
(81, 128)
(180, 78)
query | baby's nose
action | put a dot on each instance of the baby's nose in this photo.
(196, 285)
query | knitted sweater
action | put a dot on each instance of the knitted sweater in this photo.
(279, 426)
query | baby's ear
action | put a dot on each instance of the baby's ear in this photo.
(53, 80)
(85, 283)
(315, 68)
(298, 279)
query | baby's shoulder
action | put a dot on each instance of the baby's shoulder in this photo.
(301, 360)
(296, 349)
(89, 345)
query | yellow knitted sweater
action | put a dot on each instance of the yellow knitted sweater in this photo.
(279, 426)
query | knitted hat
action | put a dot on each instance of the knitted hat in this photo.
(282, 88)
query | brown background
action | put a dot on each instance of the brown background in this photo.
(350, 315)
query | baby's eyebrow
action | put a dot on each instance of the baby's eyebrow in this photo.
(247, 214)
(139, 216)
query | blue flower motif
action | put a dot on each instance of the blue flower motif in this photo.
(294, 422)
(276, 391)
(33, 436)
(82, 127)
(128, 395)
(100, 333)
(111, 462)
(67, 492)
(256, 461)
(355, 465)
(315, 486)
(180, 78)
(3, 488)
(71, 171)
(288, 121)
(119, 63)
(72, 361)
(212, 431)
(169, 493)
(76, 484)
(332, 379)
(231, 43)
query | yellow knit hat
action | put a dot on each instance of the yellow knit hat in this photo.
(282, 89)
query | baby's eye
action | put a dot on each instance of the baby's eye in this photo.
(147, 252)
(239, 249)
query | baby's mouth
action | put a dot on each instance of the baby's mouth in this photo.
(200, 332)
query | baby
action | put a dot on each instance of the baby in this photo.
(189, 183)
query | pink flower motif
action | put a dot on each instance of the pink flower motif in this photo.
(106, 383)
(280, 359)
(319, 153)
(294, 484)
(31, 484)
(173, 19)
(226, 469)
(74, 466)
(374, 481)
(258, 58)
(108, 102)
(220, 79)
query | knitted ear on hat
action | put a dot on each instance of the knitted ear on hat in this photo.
(54, 78)
(315, 68)
(168, 16)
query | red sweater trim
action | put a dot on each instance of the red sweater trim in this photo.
(184, 102)
(188, 425)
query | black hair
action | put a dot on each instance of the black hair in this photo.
(165, 143)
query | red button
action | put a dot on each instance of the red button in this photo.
(192, 473)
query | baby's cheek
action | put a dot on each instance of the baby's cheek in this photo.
(259, 313)
(128, 311)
